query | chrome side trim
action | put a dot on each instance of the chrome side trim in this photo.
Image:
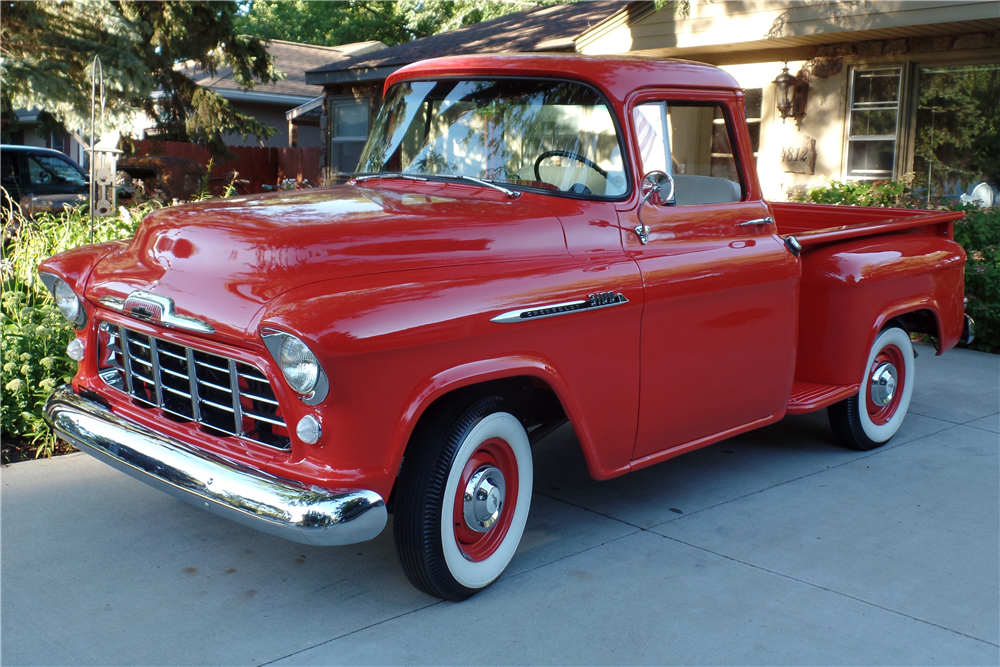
(281, 507)
(163, 307)
(592, 302)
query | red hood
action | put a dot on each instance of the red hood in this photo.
(223, 260)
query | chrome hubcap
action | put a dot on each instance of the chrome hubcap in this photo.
(884, 384)
(483, 500)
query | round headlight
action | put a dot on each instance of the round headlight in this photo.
(66, 300)
(299, 365)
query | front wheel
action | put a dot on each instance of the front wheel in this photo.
(872, 416)
(463, 498)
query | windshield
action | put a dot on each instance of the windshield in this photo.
(543, 134)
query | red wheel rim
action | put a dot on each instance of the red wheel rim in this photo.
(474, 545)
(881, 414)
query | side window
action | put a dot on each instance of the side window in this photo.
(689, 141)
(48, 170)
(871, 144)
(10, 171)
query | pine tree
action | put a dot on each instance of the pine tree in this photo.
(48, 48)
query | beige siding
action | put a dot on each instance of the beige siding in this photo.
(824, 122)
(751, 40)
(728, 25)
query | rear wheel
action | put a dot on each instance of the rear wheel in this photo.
(871, 417)
(463, 498)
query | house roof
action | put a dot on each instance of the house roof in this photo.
(546, 28)
(291, 58)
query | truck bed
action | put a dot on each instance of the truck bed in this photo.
(815, 224)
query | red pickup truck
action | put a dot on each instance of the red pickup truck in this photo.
(528, 240)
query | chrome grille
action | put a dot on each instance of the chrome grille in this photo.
(223, 395)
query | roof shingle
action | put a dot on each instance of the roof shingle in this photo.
(547, 28)
(293, 60)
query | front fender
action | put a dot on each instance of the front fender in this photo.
(74, 266)
(485, 370)
(391, 344)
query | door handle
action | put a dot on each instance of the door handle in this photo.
(758, 221)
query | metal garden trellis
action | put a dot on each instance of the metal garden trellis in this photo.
(103, 154)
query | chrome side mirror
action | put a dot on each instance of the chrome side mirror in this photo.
(653, 185)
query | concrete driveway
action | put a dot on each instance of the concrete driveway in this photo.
(772, 548)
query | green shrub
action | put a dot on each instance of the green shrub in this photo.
(978, 233)
(894, 194)
(34, 333)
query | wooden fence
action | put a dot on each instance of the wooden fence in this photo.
(260, 166)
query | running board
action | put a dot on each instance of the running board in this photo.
(809, 396)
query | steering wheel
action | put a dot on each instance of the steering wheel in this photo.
(576, 156)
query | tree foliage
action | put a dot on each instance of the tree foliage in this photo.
(48, 48)
(336, 23)
(957, 139)
(325, 23)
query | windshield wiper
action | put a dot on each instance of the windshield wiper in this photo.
(387, 175)
(478, 181)
(455, 177)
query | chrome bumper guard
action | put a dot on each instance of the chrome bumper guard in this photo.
(968, 331)
(280, 507)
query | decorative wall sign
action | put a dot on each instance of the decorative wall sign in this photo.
(800, 159)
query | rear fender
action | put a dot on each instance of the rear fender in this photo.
(850, 291)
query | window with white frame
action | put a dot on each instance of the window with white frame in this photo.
(938, 121)
(348, 120)
(873, 123)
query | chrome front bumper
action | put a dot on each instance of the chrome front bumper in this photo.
(281, 507)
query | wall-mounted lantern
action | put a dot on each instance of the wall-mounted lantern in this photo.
(793, 92)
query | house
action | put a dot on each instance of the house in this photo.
(30, 132)
(872, 91)
(269, 103)
(352, 87)
(877, 90)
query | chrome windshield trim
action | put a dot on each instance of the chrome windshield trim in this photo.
(595, 301)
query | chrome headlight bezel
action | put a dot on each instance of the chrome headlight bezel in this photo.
(68, 302)
(311, 392)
